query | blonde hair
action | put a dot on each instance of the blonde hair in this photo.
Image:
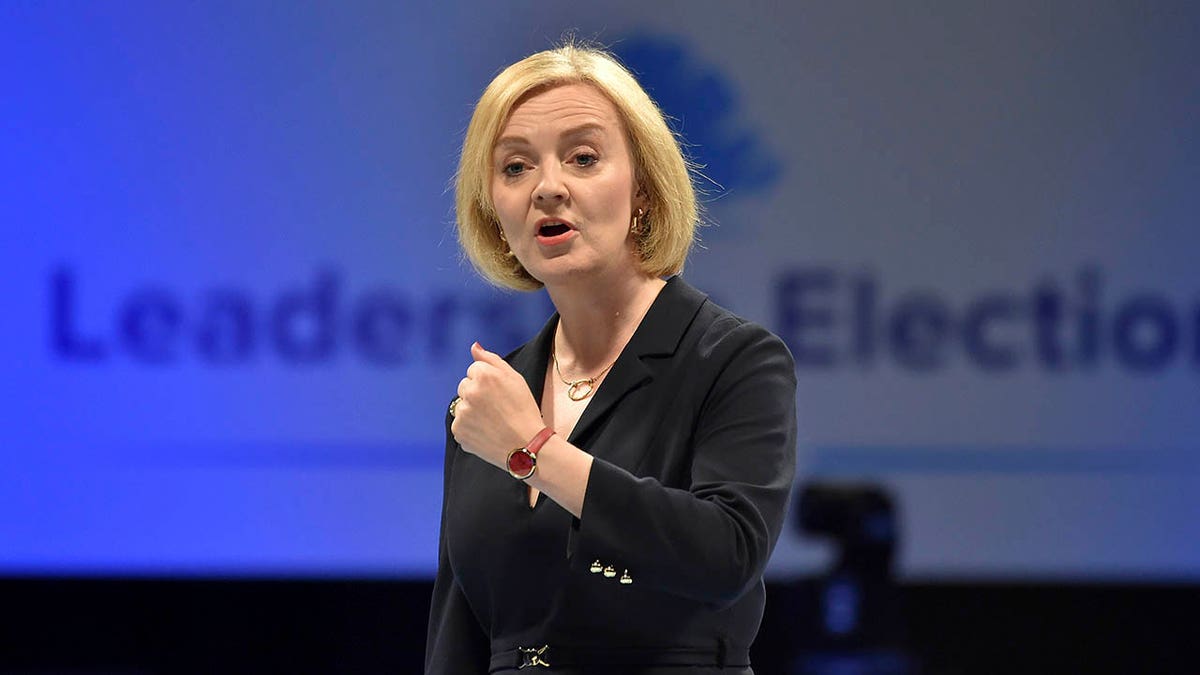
(660, 169)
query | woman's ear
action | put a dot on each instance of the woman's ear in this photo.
(641, 200)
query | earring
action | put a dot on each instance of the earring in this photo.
(636, 227)
(507, 253)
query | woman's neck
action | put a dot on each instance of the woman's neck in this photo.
(596, 322)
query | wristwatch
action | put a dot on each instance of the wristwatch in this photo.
(522, 462)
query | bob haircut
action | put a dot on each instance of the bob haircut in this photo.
(662, 173)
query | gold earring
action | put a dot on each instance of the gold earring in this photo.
(636, 227)
(507, 249)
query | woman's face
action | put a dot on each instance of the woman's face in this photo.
(563, 186)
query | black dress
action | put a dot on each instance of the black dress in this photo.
(693, 433)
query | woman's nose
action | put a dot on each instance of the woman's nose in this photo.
(550, 187)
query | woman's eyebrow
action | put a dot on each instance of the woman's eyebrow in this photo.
(505, 142)
(587, 129)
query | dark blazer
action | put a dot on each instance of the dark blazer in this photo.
(693, 432)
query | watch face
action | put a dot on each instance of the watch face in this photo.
(521, 463)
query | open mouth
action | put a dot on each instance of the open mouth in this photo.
(553, 230)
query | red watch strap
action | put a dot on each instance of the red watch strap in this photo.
(539, 440)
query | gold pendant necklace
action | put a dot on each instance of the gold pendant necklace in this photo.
(577, 390)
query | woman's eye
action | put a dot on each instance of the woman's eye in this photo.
(586, 159)
(514, 168)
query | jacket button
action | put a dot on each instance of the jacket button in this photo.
(626, 579)
(596, 567)
(610, 572)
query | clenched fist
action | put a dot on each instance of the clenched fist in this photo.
(496, 411)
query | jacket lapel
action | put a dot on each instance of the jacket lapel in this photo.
(658, 335)
(530, 359)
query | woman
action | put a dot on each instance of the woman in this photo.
(613, 488)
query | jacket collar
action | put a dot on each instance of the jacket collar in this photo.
(658, 335)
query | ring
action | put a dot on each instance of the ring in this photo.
(454, 404)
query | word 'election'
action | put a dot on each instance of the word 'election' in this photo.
(833, 319)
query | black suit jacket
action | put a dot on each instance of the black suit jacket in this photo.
(693, 433)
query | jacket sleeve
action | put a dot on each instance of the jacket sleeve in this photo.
(710, 542)
(455, 643)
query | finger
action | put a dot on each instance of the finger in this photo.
(481, 354)
(475, 370)
(462, 389)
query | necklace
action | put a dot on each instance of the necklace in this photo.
(577, 390)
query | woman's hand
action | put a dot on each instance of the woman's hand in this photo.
(496, 411)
